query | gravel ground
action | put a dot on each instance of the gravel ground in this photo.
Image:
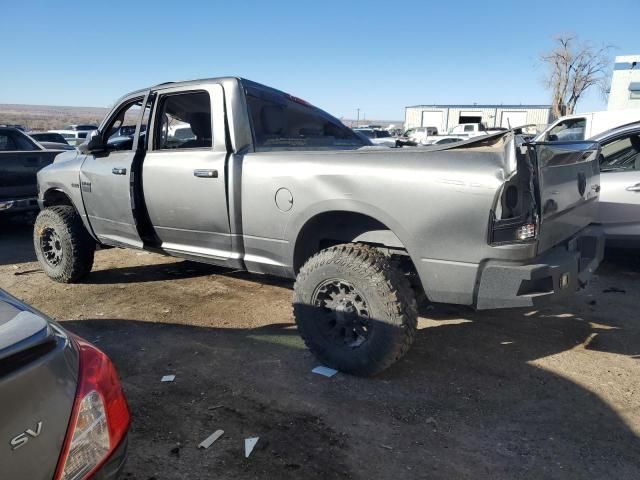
(526, 394)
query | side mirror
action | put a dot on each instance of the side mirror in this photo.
(552, 138)
(93, 143)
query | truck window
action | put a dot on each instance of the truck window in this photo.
(184, 121)
(283, 122)
(127, 115)
(568, 130)
(621, 154)
(6, 142)
(468, 128)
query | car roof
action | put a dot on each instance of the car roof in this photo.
(629, 127)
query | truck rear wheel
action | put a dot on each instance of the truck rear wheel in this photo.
(354, 309)
(63, 246)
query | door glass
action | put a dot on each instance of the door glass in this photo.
(621, 154)
(6, 142)
(121, 130)
(568, 130)
(184, 121)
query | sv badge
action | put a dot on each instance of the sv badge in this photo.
(21, 440)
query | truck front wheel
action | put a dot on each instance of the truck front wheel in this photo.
(354, 309)
(63, 246)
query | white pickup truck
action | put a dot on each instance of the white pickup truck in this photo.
(582, 126)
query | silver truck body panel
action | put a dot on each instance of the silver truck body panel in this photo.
(435, 202)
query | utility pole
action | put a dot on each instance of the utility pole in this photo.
(358, 120)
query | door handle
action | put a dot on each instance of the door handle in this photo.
(206, 173)
(119, 171)
(633, 188)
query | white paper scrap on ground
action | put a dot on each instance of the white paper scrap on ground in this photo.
(168, 378)
(206, 443)
(249, 443)
(326, 371)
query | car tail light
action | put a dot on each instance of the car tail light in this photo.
(100, 418)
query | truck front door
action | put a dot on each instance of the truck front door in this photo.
(184, 176)
(107, 177)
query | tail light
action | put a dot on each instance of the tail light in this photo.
(100, 418)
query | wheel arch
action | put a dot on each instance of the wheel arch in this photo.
(332, 227)
(54, 196)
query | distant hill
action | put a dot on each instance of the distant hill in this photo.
(47, 117)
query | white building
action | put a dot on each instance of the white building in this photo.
(625, 83)
(444, 117)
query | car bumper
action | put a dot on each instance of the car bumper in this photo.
(114, 465)
(554, 275)
(15, 205)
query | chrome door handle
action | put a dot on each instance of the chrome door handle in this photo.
(633, 188)
(119, 171)
(206, 173)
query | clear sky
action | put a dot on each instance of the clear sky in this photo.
(340, 55)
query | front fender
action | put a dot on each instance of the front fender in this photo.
(64, 176)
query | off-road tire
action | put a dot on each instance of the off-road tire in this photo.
(76, 245)
(388, 296)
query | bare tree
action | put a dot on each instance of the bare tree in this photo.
(574, 67)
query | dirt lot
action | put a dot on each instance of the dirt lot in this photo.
(525, 394)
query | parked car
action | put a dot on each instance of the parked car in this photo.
(48, 137)
(378, 137)
(64, 414)
(619, 206)
(274, 185)
(20, 159)
(416, 136)
(586, 125)
(14, 125)
(75, 134)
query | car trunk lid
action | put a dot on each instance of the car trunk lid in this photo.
(38, 379)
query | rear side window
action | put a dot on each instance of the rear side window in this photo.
(282, 122)
(468, 128)
(184, 121)
(621, 154)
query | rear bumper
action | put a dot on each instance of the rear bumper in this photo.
(554, 275)
(15, 205)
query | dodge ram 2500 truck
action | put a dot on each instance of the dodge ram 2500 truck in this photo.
(268, 183)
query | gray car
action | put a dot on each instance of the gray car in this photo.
(268, 183)
(619, 206)
(64, 415)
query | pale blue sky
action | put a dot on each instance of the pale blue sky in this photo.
(340, 55)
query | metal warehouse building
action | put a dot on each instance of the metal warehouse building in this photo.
(444, 117)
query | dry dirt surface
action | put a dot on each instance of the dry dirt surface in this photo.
(516, 394)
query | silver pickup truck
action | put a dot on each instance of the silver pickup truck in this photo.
(230, 172)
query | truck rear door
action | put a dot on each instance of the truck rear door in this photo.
(184, 173)
(568, 185)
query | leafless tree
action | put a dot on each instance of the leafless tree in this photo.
(574, 67)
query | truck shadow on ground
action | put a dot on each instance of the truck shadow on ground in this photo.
(467, 401)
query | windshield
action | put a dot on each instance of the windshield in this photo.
(382, 134)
